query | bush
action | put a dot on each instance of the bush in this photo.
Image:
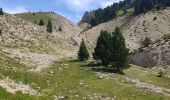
(60, 29)
(33, 14)
(155, 18)
(167, 36)
(147, 42)
(161, 72)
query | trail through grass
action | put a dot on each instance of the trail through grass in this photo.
(73, 80)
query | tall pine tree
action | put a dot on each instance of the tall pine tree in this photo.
(102, 51)
(49, 27)
(137, 7)
(119, 51)
(83, 54)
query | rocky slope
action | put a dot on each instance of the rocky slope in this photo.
(155, 54)
(135, 28)
(32, 45)
(69, 30)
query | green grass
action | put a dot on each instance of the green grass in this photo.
(32, 47)
(58, 81)
(149, 76)
(39, 15)
(17, 96)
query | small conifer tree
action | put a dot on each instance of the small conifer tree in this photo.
(41, 23)
(49, 27)
(83, 54)
(1, 11)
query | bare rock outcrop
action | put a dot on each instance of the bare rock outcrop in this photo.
(156, 54)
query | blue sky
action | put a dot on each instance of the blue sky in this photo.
(72, 9)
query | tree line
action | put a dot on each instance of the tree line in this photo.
(140, 6)
(109, 50)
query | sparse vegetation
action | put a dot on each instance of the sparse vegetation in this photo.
(36, 17)
(62, 77)
(80, 80)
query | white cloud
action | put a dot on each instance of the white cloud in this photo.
(85, 5)
(12, 9)
(106, 3)
(18, 9)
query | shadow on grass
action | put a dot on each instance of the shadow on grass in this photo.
(99, 68)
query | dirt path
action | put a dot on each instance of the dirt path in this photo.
(138, 83)
(13, 87)
(148, 86)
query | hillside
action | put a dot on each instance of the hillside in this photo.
(38, 65)
(32, 45)
(135, 28)
(156, 54)
(35, 17)
(69, 30)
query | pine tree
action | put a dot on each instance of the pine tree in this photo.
(137, 7)
(41, 23)
(83, 54)
(119, 51)
(1, 11)
(49, 27)
(102, 51)
(168, 3)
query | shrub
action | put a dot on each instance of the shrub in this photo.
(155, 18)
(167, 36)
(161, 72)
(147, 42)
(60, 29)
